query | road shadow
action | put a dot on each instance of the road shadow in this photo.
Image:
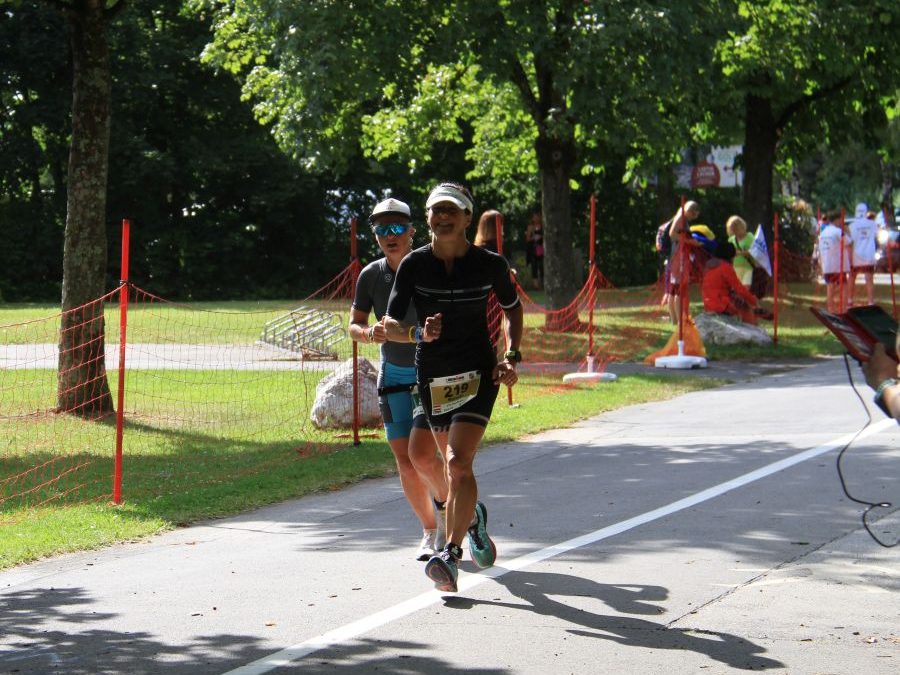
(56, 631)
(50, 631)
(540, 590)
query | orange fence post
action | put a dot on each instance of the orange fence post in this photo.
(775, 273)
(123, 326)
(355, 348)
(592, 279)
(683, 282)
(841, 282)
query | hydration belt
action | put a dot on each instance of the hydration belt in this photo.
(396, 388)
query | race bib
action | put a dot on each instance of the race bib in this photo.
(454, 391)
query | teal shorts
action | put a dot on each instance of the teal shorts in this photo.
(397, 407)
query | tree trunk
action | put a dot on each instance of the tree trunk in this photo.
(556, 159)
(82, 386)
(760, 142)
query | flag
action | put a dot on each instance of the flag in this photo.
(760, 251)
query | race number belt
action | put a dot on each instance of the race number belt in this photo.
(453, 391)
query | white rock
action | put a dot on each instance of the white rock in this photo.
(719, 329)
(333, 407)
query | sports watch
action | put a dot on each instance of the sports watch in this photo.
(879, 394)
(513, 356)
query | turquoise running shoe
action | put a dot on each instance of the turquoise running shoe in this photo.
(481, 546)
(443, 569)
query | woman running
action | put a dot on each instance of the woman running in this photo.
(448, 281)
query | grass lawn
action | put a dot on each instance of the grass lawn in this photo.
(240, 454)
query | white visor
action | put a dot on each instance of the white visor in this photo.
(445, 193)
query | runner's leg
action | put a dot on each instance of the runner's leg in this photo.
(429, 463)
(462, 444)
(414, 488)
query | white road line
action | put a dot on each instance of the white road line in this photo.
(469, 581)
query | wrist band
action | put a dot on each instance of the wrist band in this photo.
(420, 334)
(886, 384)
(411, 334)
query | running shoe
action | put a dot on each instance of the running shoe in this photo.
(443, 569)
(481, 547)
(429, 546)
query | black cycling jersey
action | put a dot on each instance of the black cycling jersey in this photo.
(461, 297)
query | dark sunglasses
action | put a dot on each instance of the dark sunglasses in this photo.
(447, 210)
(385, 229)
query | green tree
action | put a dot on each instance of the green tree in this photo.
(34, 140)
(798, 73)
(534, 88)
(82, 384)
(218, 210)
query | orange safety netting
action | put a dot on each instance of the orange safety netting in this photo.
(213, 396)
(202, 386)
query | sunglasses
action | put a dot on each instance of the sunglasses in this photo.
(385, 229)
(446, 210)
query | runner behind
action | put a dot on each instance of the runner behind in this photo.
(422, 472)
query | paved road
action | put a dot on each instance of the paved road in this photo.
(706, 534)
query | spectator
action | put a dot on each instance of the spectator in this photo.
(534, 248)
(862, 235)
(742, 240)
(723, 292)
(680, 260)
(486, 233)
(834, 261)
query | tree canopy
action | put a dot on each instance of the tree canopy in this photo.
(542, 94)
(798, 72)
(529, 102)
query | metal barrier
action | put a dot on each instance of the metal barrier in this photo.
(309, 331)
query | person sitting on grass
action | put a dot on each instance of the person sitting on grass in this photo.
(723, 292)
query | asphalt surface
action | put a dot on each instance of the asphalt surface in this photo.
(705, 534)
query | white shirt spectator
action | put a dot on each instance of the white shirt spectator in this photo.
(862, 232)
(830, 250)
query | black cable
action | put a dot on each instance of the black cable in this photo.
(869, 505)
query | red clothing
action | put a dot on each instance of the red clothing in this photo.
(724, 293)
